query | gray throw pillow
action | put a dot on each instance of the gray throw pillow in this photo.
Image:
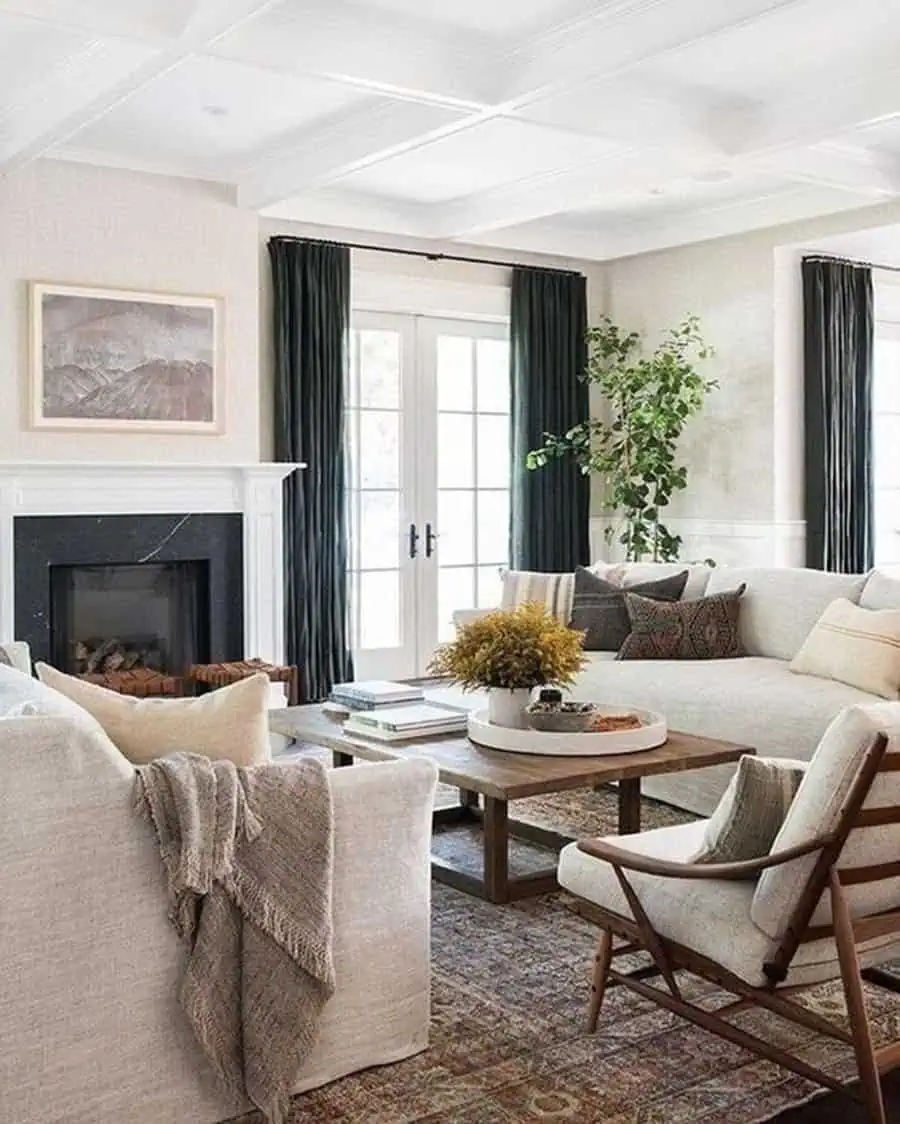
(598, 606)
(705, 629)
(752, 810)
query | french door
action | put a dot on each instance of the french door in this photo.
(428, 453)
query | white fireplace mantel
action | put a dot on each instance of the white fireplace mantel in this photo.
(253, 490)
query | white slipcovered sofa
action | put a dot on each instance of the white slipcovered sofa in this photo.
(91, 1031)
(755, 699)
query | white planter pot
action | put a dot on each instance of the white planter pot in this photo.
(507, 707)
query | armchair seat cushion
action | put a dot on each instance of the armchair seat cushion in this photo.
(709, 916)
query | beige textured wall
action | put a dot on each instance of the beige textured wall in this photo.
(73, 223)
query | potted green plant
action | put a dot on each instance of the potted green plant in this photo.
(648, 400)
(509, 652)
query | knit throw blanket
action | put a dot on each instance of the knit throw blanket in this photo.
(248, 855)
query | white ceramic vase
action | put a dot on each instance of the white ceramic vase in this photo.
(507, 707)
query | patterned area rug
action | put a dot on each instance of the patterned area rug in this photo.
(508, 1044)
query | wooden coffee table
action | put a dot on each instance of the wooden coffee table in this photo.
(498, 778)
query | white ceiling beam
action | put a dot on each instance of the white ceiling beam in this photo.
(373, 132)
(869, 174)
(37, 132)
(149, 21)
(354, 211)
(633, 170)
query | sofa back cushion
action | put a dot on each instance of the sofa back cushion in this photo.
(880, 592)
(816, 810)
(628, 574)
(554, 591)
(23, 695)
(17, 654)
(780, 605)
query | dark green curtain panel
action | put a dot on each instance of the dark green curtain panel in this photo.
(311, 288)
(550, 507)
(839, 333)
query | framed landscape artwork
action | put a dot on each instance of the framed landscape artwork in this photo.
(117, 359)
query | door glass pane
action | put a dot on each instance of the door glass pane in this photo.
(455, 468)
(379, 609)
(886, 383)
(493, 451)
(456, 590)
(379, 369)
(489, 587)
(379, 449)
(379, 530)
(454, 373)
(493, 527)
(493, 376)
(456, 527)
(887, 450)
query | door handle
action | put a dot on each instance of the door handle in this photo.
(413, 540)
(430, 539)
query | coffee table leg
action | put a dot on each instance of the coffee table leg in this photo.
(496, 850)
(338, 759)
(630, 806)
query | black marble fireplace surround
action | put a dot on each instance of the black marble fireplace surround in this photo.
(212, 540)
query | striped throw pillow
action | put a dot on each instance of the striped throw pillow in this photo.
(553, 591)
(752, 809)
(860, 647)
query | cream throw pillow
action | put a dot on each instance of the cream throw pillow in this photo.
(857, 646)
(752, 810)
(230, 723)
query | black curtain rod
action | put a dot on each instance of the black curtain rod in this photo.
(421, 254)
(852, 261)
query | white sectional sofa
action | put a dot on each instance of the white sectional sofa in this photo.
(755, 699)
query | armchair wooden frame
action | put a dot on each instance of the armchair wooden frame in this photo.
(847, 930)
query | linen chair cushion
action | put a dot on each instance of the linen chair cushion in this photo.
(781, 604)
(816, 810)
(710, 916)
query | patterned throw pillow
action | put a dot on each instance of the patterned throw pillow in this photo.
(598, 607)
(752, 810)
(553, 591)
(705, 629)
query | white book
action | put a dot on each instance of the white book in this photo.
(415, 717)
(377, 691)
(379, 734)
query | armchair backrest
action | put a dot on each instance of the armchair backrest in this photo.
(850, 766)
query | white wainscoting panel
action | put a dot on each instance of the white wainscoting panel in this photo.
(738, 542)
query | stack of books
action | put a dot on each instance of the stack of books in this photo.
(370, 694)
(399, 723)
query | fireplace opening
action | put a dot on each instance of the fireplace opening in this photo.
(108, 619)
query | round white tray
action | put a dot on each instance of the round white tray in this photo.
(651, 733)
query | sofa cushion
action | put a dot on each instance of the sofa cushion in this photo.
(23, 695)
(703, 629)
(711, 916)
(856, 646)
(17, 654)
(816, 810)
(598, 607)
(781, 605)
(229, 723)
(753, 701)
(752, 810)
(633, 573)
(880, 592)
(553, 591)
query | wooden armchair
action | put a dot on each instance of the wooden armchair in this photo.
(825, 903)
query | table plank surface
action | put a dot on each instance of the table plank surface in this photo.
(507, 776)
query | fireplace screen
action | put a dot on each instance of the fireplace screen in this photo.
(118, 618)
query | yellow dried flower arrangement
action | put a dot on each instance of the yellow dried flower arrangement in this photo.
(516, 648)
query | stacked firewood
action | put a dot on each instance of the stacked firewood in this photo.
(98, 657)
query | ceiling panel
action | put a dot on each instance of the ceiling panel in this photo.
(212, 115)
(831, 37)
(490, 17)
(29, 50)
(498, 151)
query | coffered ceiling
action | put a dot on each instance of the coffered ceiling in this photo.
(590, 128)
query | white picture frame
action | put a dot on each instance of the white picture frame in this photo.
(125, 360)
